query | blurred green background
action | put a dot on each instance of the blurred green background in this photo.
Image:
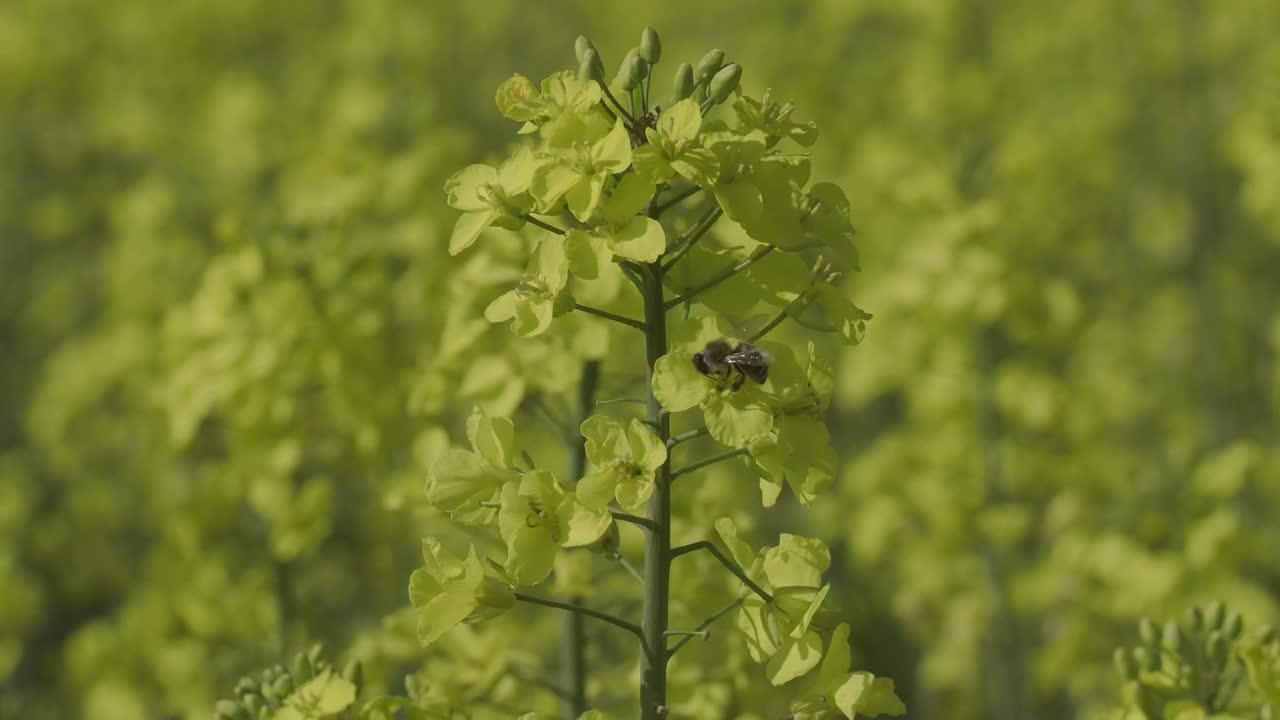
(226, 313)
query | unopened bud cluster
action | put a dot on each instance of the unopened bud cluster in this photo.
(259, 697)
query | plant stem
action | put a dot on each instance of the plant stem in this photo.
(720, 277)
(609, 316)
(657, 555)
(686, 436)
(579, 609)
(544, 225)
(724, 560)
(643, 522)
(700, 229)
(708, 622)
(678, 197)
(709, 461)
(574, 633)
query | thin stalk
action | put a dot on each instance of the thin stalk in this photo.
(573, 634)
(678, 197)
(581, 610)
(685, 245)
(643, 522)
(686, 436)
(631, 121)
(702, 626)
(730, 565)
(544, 225)
(720, 277)
(709, 461)
(657, 555)
(609, 316)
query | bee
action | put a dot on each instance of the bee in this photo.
(734, 361)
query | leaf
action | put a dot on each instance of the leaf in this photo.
(677, 384)
(737, 418)
(866, 694)
(642, 240)
(795, 658)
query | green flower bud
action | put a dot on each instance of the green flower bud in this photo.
(630, 75)
(1172, 639)
(1268, 634)
(1214, 615)
(254, 704)
(581, 46)
(229, 710)
(245, 685)
(650, 46)
(283, 686)
(313, 655)
(1215, 648)
(1234, 626)
(301, 668)
(681, 84)
(354, 673)
(708, 65)
(1148, 633)
(1195, 619)
(273, 698)
(700, 93)
(641, 68)
(590, 67)
(725, 82)
(1146, 659)
(1125, 664)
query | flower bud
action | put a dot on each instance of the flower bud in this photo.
(681, 84)
(1215, 648)
(1268, 634)
(283, 685)
(650, 46)
(1195, 619)
(1146, 659)
(590, 67)
(228, 710)
(301, 668)
(1234, 626)
(1148, 633)
(245, 685)
(1214, 615)
(708, 65)
(354, 673)
(1172, 639)
(581, 46)
(725, 82)
(630, 75)
(313, 655)
(1125, 664)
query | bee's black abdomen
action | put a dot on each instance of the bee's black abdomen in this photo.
(759, 373)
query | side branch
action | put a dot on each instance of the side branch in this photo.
(686, 436)
(709, 461)
(581, 610)
(692, 239)
(609, 316)
(658, 209)
(720, 277)
(643, 522)
(702, 626)
(544, 225)
(724, 560)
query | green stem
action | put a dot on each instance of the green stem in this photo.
(609, 316)
(730, 565)
(579, 609)
(685, 245)
(702, 626)
(574, 633)
(544, 225)
(643, 522)
(720, 277)
(686, 436)
(677, 198)
(709, 461)
(657, 556)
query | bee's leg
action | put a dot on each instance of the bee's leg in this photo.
(739, 378)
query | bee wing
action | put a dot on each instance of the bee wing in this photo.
(744, 329)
